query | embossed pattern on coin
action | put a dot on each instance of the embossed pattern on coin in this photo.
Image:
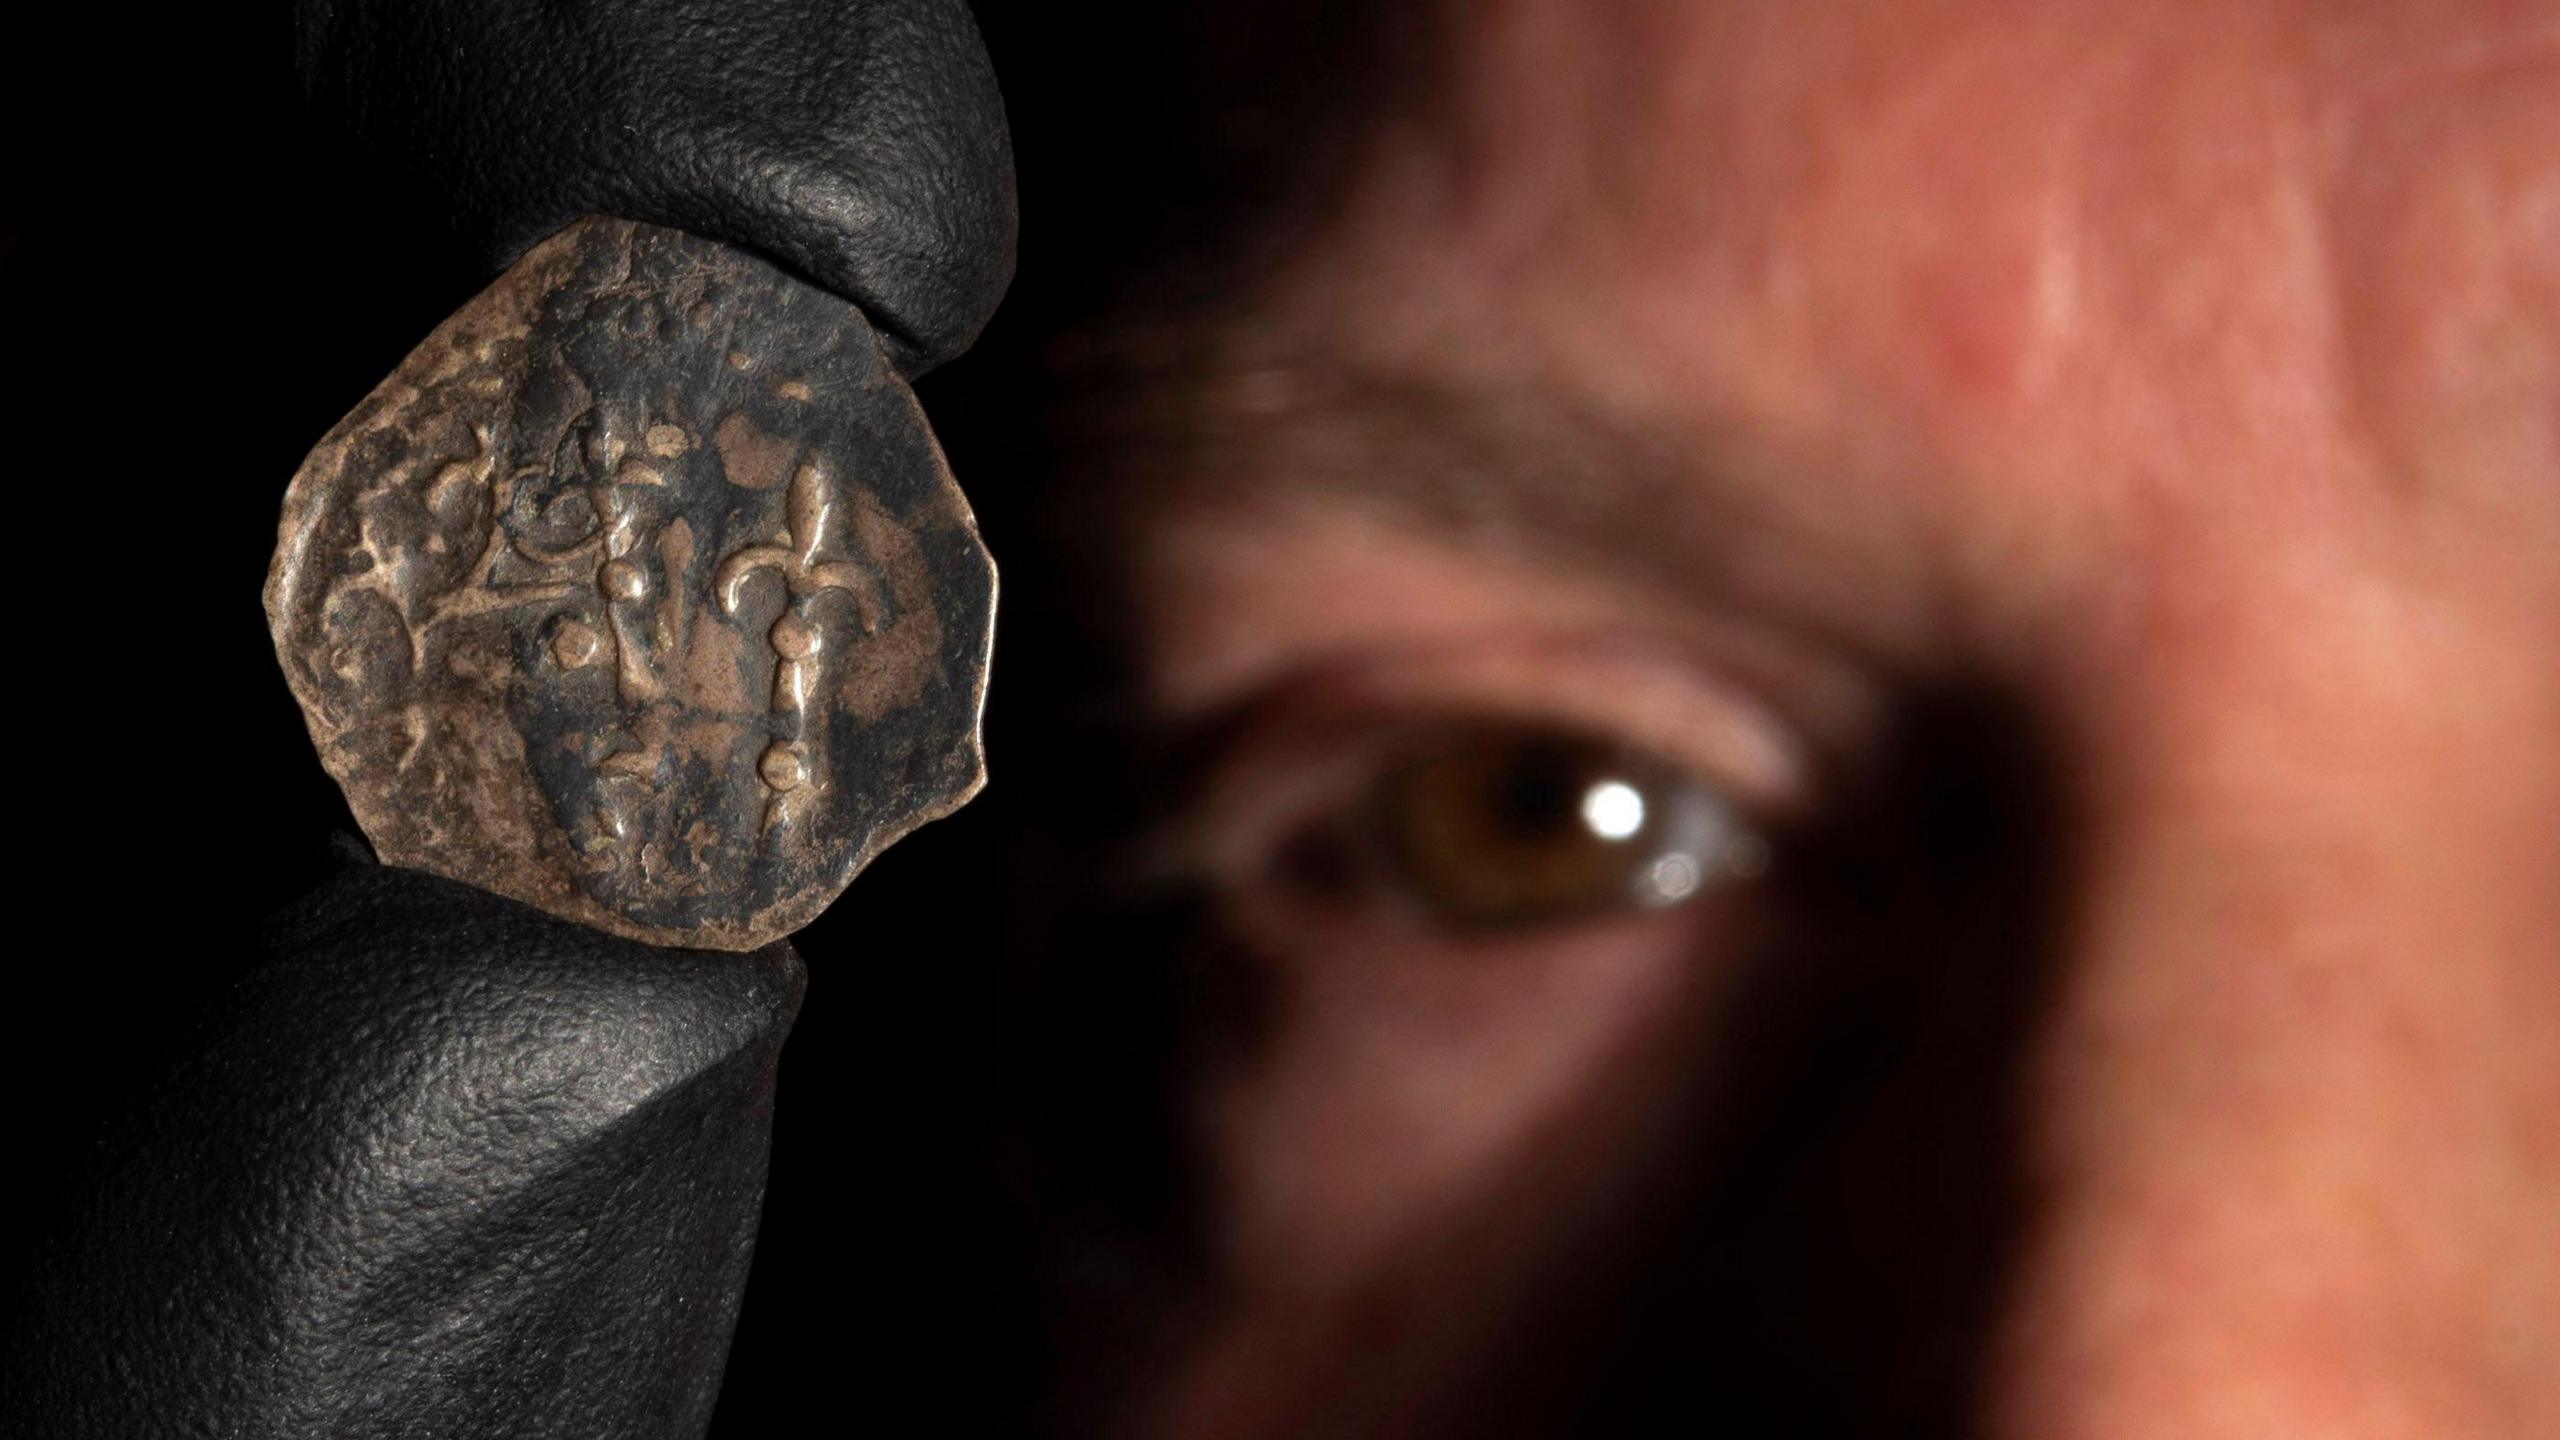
(640, 593)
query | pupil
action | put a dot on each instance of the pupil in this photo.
(1541, 794)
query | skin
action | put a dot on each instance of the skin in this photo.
(1719, 379)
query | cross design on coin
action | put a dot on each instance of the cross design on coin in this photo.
(805, 558)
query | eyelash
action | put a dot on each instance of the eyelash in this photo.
(1461, 826)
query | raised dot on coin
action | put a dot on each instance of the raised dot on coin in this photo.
(574, 644)
(622, 580)
(794, 638)
(782, 769)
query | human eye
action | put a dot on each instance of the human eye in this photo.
(1468, 826)
(1516, 826)
(1460, 816)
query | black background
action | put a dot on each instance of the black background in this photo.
(199, 281)
(198, 286)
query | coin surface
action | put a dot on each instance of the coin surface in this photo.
(640, 593)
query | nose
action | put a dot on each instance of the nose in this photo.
(2298, 1108)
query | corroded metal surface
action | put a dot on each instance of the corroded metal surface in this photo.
(640, 593)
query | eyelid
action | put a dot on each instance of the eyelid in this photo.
(1323, 727)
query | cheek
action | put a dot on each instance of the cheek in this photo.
(1406, 1094)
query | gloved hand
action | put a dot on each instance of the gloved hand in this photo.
(437, 1164)
(434, 1164)
(860, 142)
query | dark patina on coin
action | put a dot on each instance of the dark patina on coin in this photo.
(640, 593)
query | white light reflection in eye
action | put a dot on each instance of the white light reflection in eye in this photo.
(1613, 810)
(1669, 880)
(1697, 841)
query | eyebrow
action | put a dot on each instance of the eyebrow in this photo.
(1701, 518)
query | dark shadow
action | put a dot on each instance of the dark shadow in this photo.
(1831, 1250)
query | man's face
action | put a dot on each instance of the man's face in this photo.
(1881, 683)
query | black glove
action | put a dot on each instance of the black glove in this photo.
(437, 1164)
(860, 142)
(433, 1164)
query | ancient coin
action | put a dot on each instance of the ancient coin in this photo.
(639, 592)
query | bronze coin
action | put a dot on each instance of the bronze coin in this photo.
(640, 593)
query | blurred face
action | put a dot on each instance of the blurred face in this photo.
(1861, 706)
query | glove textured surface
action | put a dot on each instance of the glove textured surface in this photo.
(437, 1165)
(860, 142)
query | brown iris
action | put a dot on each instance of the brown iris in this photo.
(1507, 829)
